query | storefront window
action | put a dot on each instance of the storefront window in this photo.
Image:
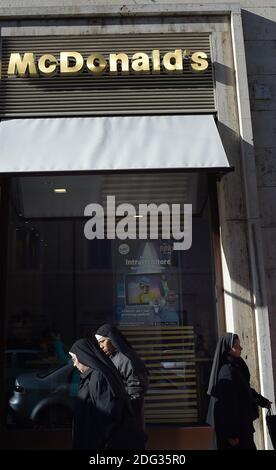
(62, 286)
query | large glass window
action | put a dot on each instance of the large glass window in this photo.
(62, 285)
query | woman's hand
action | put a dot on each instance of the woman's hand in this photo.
(233, 441)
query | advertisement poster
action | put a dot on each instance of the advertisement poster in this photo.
(147, 285)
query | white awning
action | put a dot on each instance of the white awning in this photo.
(111, 143)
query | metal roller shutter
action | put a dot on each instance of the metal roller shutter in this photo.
(88, 95)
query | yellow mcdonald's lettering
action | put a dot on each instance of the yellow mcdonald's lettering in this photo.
(199, 62)
(22, 66)
(140, 62)
(66, 68)
(96, 63)
(71, 63)
(156, 61)
(47, 65)
(173, 61)
(113, 63)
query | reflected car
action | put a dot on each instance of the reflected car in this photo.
(46, 398)
(17, 362)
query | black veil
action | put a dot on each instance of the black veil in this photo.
(89, 354)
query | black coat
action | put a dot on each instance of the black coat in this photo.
(98, 413)
(236, 404)
(102, 420)
(103, 417)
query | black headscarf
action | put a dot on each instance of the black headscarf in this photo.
(118, 340)
(223, 348)
(120, 343)
(90, 355)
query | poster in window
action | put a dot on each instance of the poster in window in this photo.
(147, 284)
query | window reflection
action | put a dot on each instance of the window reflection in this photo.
(62, 286)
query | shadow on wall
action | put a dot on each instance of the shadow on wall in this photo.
(260, 50)
(224, 74)
(233, 216)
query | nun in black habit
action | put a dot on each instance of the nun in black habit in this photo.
(103, 417)
(128, 363)
(233, 404)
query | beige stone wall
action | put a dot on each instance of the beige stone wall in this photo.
(259, 24)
